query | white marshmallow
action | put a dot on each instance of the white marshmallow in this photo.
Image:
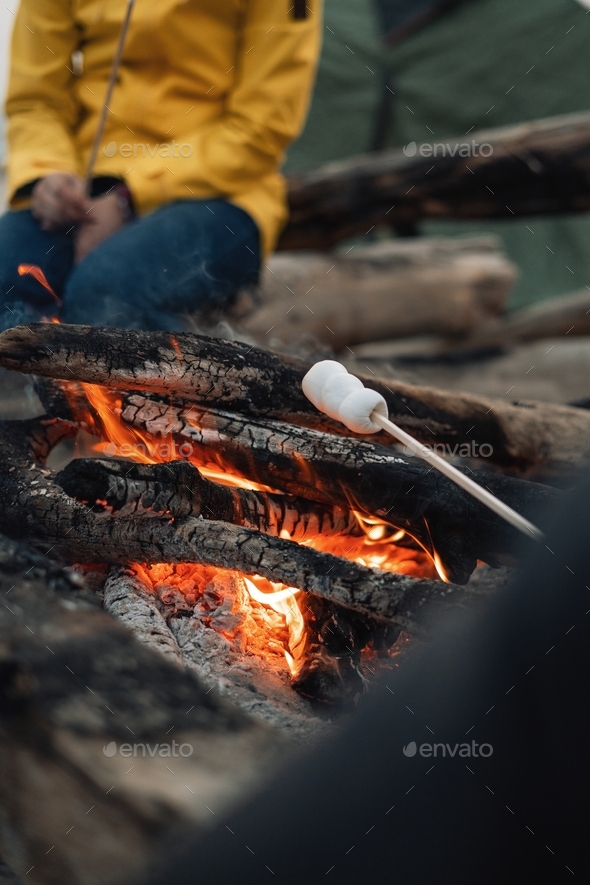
(317, 378)
(343, 397)
(355, 411)
(335, 392)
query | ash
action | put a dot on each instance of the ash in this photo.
(212, 627)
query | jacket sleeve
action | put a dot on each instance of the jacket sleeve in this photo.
(41, 108)
(267, 105)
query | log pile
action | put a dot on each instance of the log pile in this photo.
(311, 482)
(77, 678)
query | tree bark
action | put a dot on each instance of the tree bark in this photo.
(73, 681)
(536, 439)
(533, 168)
(402, 491)
(381, 291)
(40, 512)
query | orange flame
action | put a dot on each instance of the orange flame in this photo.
(37, 274)
(376, 546)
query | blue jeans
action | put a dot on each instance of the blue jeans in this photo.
(185, 257)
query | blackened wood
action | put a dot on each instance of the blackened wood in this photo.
(402, 491)
(533, 168)
(127, 599)
(537, 439)
(37, 510)
(328, 661)
(178, 489)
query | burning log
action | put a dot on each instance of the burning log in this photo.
(539, 439)
(177, 488)
(533, 168)
(76, 689)
(329, 659)
(40, 512)
(404, 492)
(125, 598)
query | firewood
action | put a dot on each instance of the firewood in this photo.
(536, 439)
(532, 168)
(127, 600)
(328, 660)
(565, 315)
(402, 491)
(40, 512)
(384, 290)
(178, 489)
(77, 692)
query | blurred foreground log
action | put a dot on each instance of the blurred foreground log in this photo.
(77, 692)
(390, 289)
(533, 168)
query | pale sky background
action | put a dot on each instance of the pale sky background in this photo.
(6, 20)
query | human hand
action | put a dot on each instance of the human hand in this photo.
(59, 200)
(105, 217)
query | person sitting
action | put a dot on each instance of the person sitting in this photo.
(185, 196)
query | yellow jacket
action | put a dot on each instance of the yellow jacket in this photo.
(209, 94)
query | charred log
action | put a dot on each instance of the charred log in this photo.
(529, 437)
(329, 659)
(178, 489)
(127, 600)
(37, 510)
(403, 491)
(532, 168)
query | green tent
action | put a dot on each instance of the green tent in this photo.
(480, 64)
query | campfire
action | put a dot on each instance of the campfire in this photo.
(246, 562)
(215, 493)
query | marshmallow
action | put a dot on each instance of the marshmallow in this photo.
(356, 410)
(343, 397)
(317, 377)
(335, 391)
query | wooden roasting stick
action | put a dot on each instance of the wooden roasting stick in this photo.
(343, 397)
(109, 94)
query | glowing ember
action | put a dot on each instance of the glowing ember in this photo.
(37, 274)
(376, 546)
